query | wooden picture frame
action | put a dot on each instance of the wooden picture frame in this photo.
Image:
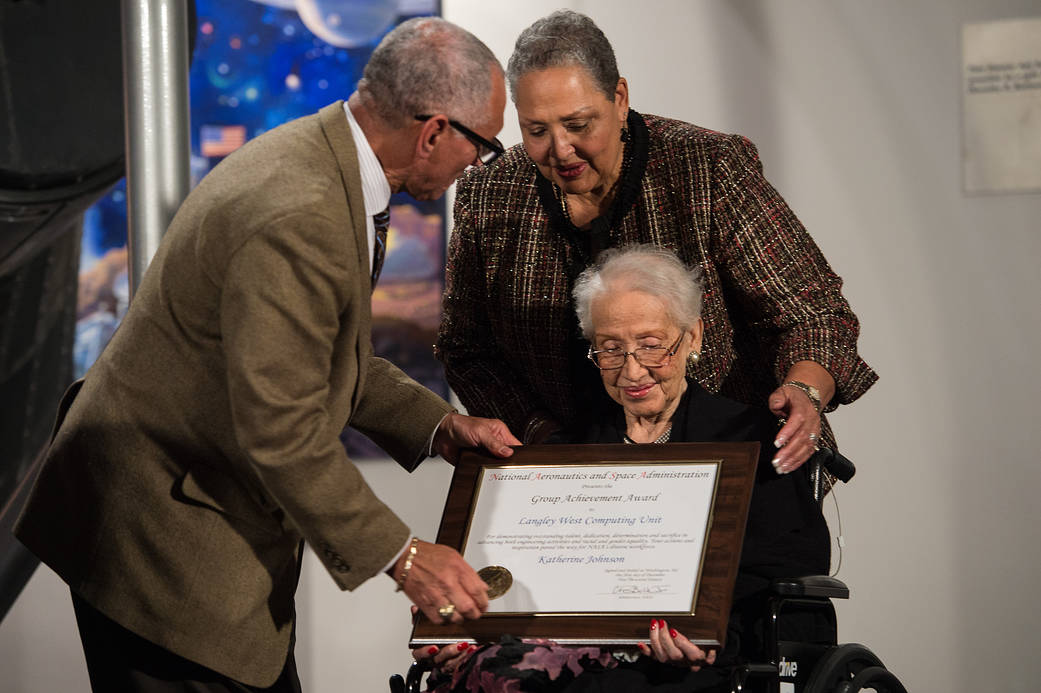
(704, 624)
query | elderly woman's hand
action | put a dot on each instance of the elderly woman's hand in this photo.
(447, 658)
(672, 647)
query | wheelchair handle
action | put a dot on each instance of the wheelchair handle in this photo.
(836, 463)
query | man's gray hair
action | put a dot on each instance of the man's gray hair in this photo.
(646, 268)
(427, 65)
(564, 39)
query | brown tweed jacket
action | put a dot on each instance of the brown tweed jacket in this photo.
(204, 444)
(771, 299)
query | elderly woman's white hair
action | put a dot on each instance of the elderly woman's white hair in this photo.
(646, 268)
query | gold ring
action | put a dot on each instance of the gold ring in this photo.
(446, 611)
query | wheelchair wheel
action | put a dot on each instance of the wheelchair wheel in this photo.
(877, 679)
(850, 668)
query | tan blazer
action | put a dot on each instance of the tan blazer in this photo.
(204, 444)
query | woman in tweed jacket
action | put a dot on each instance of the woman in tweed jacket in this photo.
(592, 174)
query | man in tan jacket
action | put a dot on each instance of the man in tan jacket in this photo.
(203, 447)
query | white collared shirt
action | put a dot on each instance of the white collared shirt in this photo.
(374, 186)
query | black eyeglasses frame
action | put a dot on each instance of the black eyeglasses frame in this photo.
(487, 152)
(669, 353)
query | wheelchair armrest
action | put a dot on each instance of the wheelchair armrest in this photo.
(414, 679)
(741, 673)
(810, 586)
(746, 671)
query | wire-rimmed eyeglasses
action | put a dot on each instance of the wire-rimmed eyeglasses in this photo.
(648, 357)
(487, 151)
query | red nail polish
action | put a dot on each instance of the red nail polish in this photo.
(431, 650)
(654, 624)
(673, 632)
(462, 646)
(661, 623)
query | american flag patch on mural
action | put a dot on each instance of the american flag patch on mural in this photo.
(221, 140)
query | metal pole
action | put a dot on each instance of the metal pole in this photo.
(155, 88)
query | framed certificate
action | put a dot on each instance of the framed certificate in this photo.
(584, 544)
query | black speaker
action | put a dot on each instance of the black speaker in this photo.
(61, 149)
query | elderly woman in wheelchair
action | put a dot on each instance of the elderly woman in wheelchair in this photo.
(640, 309)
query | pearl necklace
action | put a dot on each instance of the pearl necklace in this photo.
(663, 438)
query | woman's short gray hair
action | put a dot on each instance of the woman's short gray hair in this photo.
(563, 39)
(646, 268)
(427, 65)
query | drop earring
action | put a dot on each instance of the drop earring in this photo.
(692, 362)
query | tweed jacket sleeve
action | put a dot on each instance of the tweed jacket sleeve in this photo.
(776, 274)
(402, 424)
(476, 368)
(284, 294)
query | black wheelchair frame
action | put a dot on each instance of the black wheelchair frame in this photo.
(803, 667)
(790, 666)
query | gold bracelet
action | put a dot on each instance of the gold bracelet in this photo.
(810, 391)
(412, 548)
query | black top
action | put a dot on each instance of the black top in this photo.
(786, 535)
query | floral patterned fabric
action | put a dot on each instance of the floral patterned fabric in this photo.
(512, 666)
(517, 666)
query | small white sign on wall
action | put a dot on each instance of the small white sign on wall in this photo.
(1001, 104)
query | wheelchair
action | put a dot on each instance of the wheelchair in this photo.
(790, 666)
(804, 667)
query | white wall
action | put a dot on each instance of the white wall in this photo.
(855, 107)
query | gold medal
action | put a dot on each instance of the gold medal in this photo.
(498, 579)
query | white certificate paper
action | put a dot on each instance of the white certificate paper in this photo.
(605, 538)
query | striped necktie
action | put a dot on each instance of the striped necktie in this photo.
(379, 251)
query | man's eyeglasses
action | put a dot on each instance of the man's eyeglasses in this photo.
(487, 152)
(648, 357)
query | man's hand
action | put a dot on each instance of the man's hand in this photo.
(458, 431)
(442, 584)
